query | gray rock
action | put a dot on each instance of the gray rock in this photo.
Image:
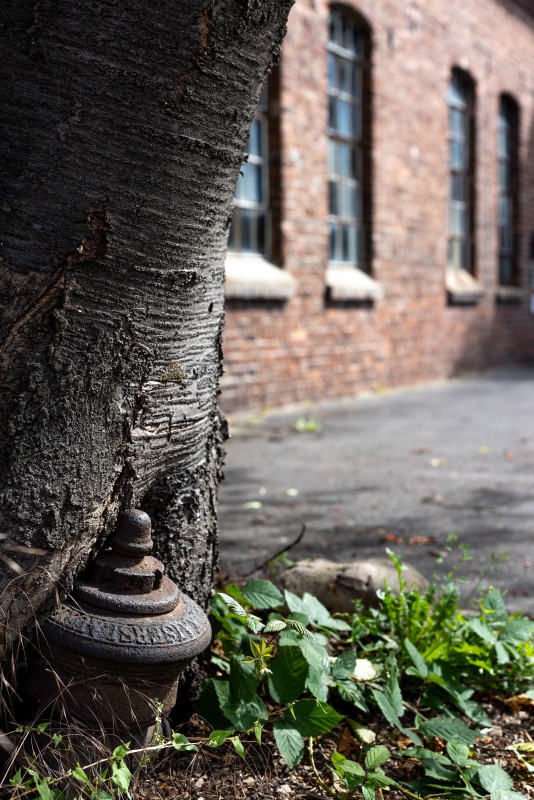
(337, 585)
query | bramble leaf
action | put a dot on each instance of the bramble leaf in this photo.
(289, 742)
(262, 594)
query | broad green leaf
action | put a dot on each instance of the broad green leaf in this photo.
(436, 765)
(234, 591)
(517, 630)
(275, 625)
(448, 728)
(376, 756)
(80, 775)
(212, 696)
(368, 793)
(364, 670)
(289, 742)
(479, 627)
(311, 718)
(314, 610)
(244, 714)
(503, 656)
(458, 752)
(121, 776)
(262, 594)
(343, 666)
(121, 751)
(346, 765)
(288, 675)
(101, 794)
(294, 603)
(318, 683)
(392, 691)
(243, 680)
(16, 780)
(507, 794)
(493, 778)
(233, 605)
(217, 738)
(298, 627)
(254, 623)
(351, 693)
(315, 654)
(388, 704)
(379, 778)
(417, 659)
(238, 746)
(43, 789)
(290, 638)
(494, 604)
(182, 743)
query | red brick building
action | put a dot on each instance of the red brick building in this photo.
(384, 224)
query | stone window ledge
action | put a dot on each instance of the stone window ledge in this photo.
(251, 277)
(509, 295)
(352, 285)
(462, 288)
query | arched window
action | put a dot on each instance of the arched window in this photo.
(461, 100)
(508, 160)
(349, 134)
(249, 232)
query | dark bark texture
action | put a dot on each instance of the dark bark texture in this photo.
(123, 124)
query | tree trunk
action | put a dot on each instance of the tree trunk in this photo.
(122, 132)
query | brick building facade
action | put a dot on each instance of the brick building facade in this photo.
(386, 235)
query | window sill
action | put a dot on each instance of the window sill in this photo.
(509, 295)
(352, 285)
(462, 288)
(251, 277)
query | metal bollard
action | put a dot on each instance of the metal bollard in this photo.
(115, 649)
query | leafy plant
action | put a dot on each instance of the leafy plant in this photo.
(417, 659)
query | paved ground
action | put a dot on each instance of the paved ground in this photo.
(403, 469)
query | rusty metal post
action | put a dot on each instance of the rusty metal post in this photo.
(115, 649)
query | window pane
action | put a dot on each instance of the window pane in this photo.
(457, 121)
(332, 160)
(458, 153)
(335, 251)
(332, 76)
(254, 140)
(346, 118)
(348, 201)
(347, 82)
(458, 187)
(332, 113)
(246, 231)
(332, 198)
(505, 270)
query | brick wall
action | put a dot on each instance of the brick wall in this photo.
(308, 348)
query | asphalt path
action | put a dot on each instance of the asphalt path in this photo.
(405, 469)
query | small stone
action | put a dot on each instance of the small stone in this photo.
(337, 585)
(284, 789)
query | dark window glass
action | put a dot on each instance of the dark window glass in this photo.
(460, 100)
(248, 232)
(345, 80)
(507, 152)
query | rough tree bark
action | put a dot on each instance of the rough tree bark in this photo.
(123, 125)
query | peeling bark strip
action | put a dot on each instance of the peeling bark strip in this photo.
(121, 135)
